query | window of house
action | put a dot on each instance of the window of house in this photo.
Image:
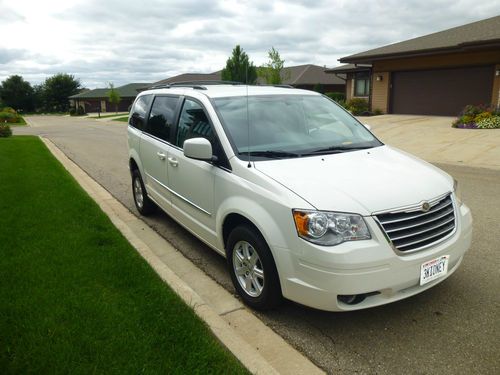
(362, 84)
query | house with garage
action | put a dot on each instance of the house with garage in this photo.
(97, 100)
(435, 74)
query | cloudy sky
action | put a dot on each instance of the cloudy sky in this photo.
(124, 41)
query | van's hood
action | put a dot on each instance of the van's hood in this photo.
(363, 181)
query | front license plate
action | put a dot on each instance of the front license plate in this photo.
(434, 269)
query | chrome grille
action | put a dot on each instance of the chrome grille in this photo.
(414, 229)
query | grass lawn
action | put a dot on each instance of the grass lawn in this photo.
(106, 116)
(75, 297)
(122, 119)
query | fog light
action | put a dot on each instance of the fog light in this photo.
(351, 299)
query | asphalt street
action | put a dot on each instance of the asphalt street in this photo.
(453, 328)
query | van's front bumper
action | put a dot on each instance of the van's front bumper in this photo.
(316, 275)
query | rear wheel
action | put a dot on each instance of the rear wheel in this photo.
(144, 205)
(252, 268)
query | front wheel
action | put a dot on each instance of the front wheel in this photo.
(144, 205)
(252, 268)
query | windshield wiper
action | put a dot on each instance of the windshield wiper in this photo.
(337, 150)
(274, 154)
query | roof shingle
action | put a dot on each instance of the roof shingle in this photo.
(481, 32)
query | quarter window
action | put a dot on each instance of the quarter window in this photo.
(162, 117)
(362, 84)
(141, 106)
(193, 123)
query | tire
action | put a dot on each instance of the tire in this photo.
(252, 268)
(144, 205)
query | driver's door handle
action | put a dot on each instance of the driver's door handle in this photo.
(173, 162)
(161, 155)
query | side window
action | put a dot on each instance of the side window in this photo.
(139, 110)
(161, 118)
(193, 123)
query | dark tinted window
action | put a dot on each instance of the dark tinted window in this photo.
(193, 123)
(162, 117)
(139, 110)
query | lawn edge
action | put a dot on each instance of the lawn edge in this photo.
(239, 347)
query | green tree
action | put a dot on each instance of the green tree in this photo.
(57, 89)
(239, 68)
(114, 96)
(38, 96)
(17, 93)
(272, 71)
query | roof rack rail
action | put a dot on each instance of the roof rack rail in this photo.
(276, 85)
(206, 83)
(197, 85)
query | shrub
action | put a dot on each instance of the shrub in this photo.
(9, 110)
(337, 96)
(477, 117)
(491, 122)
(358, 106)
(9, 117)
(474, 110)
(80, 111)
(482, 116)
(378, 112)
(5, 131)
(467, 119)
(342, 103)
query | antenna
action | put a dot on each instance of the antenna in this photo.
(248, 117)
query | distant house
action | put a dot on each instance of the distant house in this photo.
(190, 77)
(312, 77)
(97, 100)
(436, 74)
(307, 77)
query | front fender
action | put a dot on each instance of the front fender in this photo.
(256, 213)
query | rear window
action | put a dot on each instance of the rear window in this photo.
(139, 110)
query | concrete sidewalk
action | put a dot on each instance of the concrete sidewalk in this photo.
(258, 347)
(433, 139)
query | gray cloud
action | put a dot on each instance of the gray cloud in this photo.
(124, 41)
(8, 56)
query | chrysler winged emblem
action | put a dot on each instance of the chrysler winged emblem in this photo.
(426, 206)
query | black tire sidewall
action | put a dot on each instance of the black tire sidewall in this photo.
(271, 294)
(147, 204)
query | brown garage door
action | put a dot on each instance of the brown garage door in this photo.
(440, 92)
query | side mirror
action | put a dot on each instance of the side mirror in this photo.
(198, 148)
(367, 126)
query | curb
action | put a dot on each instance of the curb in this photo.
(256, 346)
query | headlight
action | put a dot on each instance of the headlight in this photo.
(330, 228)
(458, 192)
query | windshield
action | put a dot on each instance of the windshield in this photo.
(285, 126)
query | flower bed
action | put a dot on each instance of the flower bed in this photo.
(478, 117)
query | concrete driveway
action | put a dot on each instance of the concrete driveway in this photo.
(451, 328)
(433, 139)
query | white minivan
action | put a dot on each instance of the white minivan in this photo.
(302, 199)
